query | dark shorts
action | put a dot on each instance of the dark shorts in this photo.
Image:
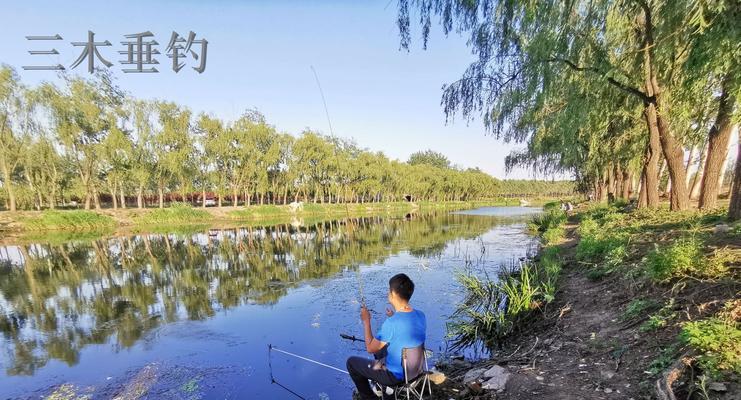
(363, 369)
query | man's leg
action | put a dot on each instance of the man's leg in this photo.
(362, 369)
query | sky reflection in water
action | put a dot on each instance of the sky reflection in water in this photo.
(191, 316)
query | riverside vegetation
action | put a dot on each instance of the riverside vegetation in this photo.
(180, 215)
(651, 293)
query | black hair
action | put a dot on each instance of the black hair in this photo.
(402, 286)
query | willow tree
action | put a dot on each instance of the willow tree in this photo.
(215, 151)
(83, 112)
(173, 148)
(142, 157)
(12, 100)
(523, 47)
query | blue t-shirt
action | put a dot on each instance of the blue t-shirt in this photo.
(402, 330)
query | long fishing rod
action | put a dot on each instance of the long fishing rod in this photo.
(347, 209)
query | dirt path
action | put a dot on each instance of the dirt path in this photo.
(583, 351)
(584, 347)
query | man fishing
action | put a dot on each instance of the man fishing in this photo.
(405, 327)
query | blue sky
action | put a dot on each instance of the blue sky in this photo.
(259, 56)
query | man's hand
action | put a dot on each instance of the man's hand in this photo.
(389, 312)
(364, 314)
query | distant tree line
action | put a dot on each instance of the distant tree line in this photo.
(87, 141)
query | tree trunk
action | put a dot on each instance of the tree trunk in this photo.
(122, 196)
(722, 178)
(718, 138)
(9, 188)
(689, 164)
(161, 195)
(53, 196)
(697, 179)
(734, 209)
(114, 202)
(140, 197)
(626, 186)
(672, 149)
(96, 198)
(203, 198)
(650, 179)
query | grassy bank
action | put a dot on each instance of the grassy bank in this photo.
(683, 269)
(641, 301)
(181, 215)
(66, 220)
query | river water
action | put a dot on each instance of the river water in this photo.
(190, 316)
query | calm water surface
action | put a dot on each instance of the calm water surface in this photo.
(190, 316)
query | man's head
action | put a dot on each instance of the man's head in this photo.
(401, 289)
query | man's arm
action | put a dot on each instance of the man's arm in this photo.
(372, 345)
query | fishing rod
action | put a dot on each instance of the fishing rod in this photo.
(351, 338)
(347, 209)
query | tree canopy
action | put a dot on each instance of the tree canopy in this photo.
(87, 141)
(610, 91)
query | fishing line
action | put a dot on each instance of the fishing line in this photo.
(347, 209)
(321, 92)
(272, 378)
(271, 348)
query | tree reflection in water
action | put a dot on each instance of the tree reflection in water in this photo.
(56, 298)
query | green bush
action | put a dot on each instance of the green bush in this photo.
(553, 235)
(660, 318)
(685, 257)
(718, 342)
(599, 243)
(547, 220)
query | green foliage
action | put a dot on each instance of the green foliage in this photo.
(547, 220)
(718, 343)
(660, 318)
(553, 235)
(178, 213)
(597, 243)
(551, 206)
(568, 78)
(666, 356)
(684, 257)
(429, 157)
(637, 308)
(67, 220)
